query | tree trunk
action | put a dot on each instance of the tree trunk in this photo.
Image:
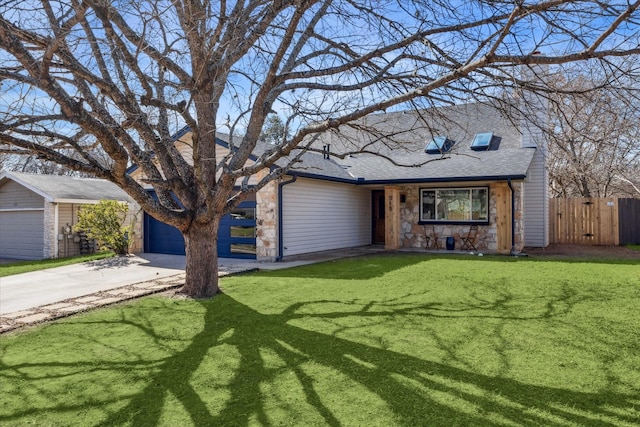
(201, 244)
(584, 187)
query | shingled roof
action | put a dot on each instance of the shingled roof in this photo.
(395, 144)
(401, 137)
(56, 188)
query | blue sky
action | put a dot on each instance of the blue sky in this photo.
(530, 34)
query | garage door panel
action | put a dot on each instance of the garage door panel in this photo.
(162, 238)
(320, 215)
(22, 234)
(236, 236)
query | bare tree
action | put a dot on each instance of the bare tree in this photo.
(125, 75)
(594, 140)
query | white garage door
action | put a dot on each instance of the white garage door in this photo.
(22, 234)
(320, 215)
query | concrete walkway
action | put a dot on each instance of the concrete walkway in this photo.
(45, 295)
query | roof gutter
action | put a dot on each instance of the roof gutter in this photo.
(91, 201)
(280, 220)
(442, 179)
(324, 177)
(364, 181)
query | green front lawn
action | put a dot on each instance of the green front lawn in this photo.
(42, 264)
(407, 340)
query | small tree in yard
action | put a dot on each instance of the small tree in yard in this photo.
(119, 78)
(106, 222)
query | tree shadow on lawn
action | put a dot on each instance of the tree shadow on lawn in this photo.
(377, 265)
(410, 387)
(361, 267)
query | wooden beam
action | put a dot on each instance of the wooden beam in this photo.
(503, 218)
(392, 217)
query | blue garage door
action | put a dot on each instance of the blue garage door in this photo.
(236, 237)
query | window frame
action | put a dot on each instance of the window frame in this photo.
(479, 137)
(438, 145)
(470, 189)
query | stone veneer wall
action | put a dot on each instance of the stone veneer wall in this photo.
(412, 234)
(267, 222)
(50, 230)
(136, 215)
(518, 187)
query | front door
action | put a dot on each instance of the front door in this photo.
(378, 231)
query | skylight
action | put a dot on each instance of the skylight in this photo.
(482, 141)
(439, 144)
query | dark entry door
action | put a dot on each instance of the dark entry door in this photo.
(377, 197)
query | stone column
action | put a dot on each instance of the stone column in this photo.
(518, 188)
(267, 222)
(50, 230)
(136, 217)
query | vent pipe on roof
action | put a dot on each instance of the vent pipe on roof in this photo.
(326, 151)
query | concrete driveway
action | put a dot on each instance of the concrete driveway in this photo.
(27, 290)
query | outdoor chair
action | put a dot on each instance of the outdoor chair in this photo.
(468, 242)
(430, 237)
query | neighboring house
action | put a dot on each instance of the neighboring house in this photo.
(478, 168)
(38, 212)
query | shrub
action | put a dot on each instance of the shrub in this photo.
(106, 222)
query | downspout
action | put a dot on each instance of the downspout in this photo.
(56, 230)
(513, 252)
(280, 224)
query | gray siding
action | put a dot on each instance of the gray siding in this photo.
(22, 234)
(15, 196)
(536, 203)
(21, 222)
(321, 215)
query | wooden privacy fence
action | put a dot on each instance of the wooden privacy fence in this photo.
(629, 221)
(594, 221)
